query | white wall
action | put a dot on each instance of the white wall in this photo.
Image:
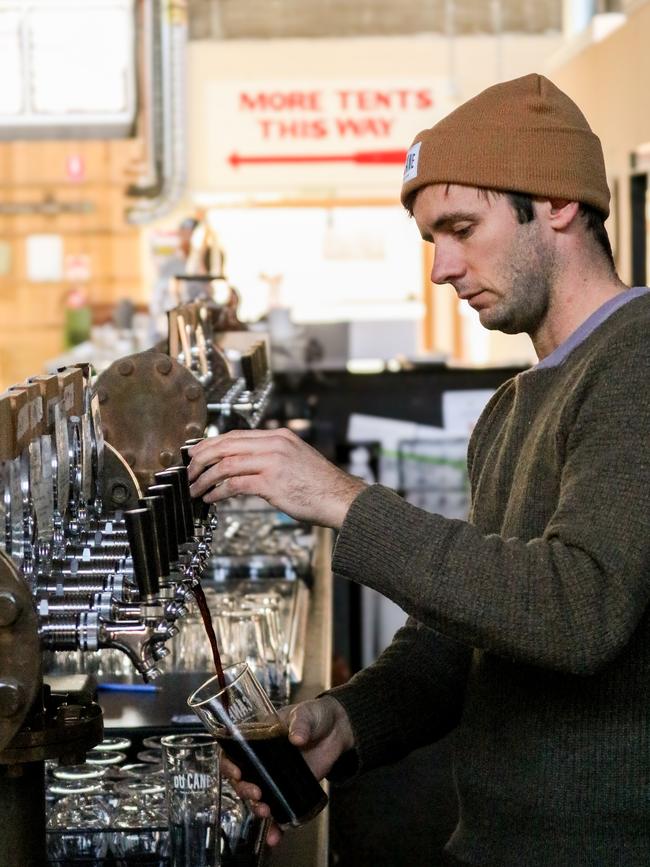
(459, 68)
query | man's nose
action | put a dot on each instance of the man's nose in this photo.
(448, 265)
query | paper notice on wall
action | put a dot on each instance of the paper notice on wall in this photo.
(461, 409)
(44, 258)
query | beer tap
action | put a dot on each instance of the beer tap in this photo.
(178, 478)
(205, 519)
(175, 607)
(6, 457)
(177, 579)
(87, 631)
(20, 544)
(247, 397)
(85, 522)
(71, 384)
(14, 414)
(147, 566)
(37, 471)
(54, 449)
(89, 616)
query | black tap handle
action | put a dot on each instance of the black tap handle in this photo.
(139, 529)
(248, 370)
(167, 493)
(185, 450)
(200, 510)
(186, 499)
(264, 358)
(177, 477)
(186, 457)
(257, 364)
(156, 506)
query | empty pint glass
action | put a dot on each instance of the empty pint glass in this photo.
(192, 783)
(253, 736)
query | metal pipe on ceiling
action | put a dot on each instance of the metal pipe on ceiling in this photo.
(165, 99)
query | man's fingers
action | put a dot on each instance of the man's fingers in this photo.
(300, 732)
(273, 835)
(229, 770)
(250, 485)
(299, 737)
(227, 468)
(305, 722)
(234, 443)
(248, 791)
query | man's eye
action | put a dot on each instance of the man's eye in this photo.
(463, 231)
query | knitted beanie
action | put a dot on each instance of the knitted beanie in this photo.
(524, 135)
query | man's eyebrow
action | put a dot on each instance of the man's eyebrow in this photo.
(447, 221)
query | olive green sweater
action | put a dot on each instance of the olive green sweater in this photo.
(529, 629)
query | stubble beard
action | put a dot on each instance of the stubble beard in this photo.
(529, 271)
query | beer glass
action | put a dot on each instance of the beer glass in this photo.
(78, 823)
(254, 737)
(139, 824)
(192, 783)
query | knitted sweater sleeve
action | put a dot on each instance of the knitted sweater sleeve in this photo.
(568, 599)
(411, 696)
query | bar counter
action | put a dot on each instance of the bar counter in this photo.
(308, 846)
(164, 711)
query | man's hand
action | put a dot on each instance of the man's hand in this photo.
(278, 466)
(321, 729)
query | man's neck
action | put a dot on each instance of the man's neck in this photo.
(572, 302)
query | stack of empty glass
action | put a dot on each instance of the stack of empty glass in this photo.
(114, 813)
(260, 628)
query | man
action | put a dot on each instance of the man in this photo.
(529, 632)
(164, 295)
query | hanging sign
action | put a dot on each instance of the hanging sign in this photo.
(279, 135)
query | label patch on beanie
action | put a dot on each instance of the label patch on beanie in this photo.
(411, 164)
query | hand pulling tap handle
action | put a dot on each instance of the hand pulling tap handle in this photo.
(186, 500)
(200, 510)
(139, 529)
(156, 506)
(167, 494)
(170, 477)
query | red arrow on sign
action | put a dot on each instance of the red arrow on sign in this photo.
(361, 157)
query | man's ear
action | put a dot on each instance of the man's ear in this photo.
(561, 213)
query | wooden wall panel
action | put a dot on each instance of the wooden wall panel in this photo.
(125, 258)
(32, 314)
(22, 351)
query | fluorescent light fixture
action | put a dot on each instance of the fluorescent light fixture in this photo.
(66, 67)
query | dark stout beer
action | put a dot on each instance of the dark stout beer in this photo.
(199, 595)
(267, 758)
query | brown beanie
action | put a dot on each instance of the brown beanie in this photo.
(524, 135)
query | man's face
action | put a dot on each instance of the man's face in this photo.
(504, 269)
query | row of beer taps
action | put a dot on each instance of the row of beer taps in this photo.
(238, 387)
(99, 577)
